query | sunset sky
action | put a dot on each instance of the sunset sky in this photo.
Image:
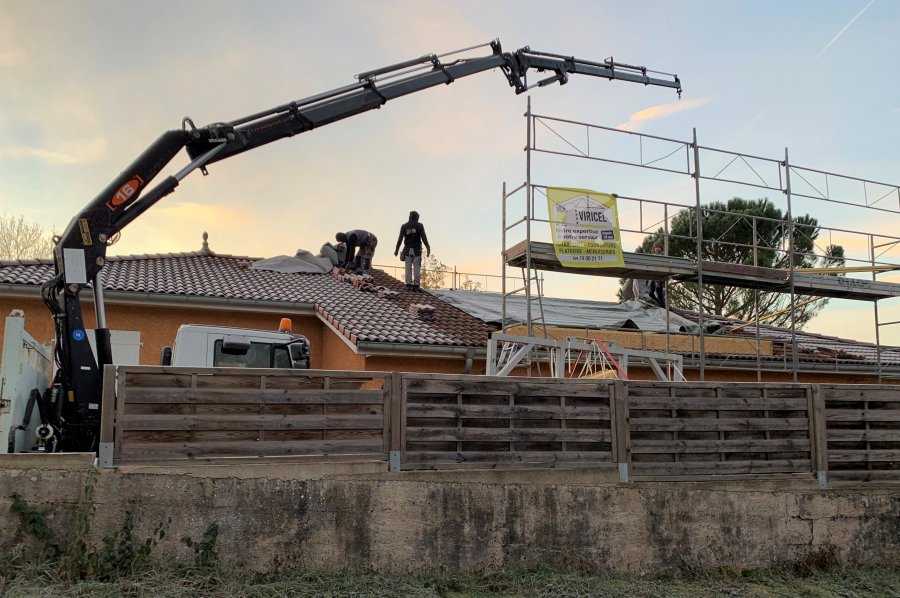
(86, 86)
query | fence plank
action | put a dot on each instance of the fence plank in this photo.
(702, 424)
(725, 403)
(871, 455)
(863, 415)
(505, 386)
(157, 395)
(683, 446)
(863, 435)
(508, 434)
(506, 458)
(510, 411)
(248, 422)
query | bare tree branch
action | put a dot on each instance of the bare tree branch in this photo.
(20, 239)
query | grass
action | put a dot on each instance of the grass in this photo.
(29, 582)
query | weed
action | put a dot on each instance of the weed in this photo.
(35, 524)
(206, 550)
(118, 554)
(824, 558)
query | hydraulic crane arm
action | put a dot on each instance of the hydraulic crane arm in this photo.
(80, 252)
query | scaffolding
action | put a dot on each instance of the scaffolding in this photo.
(823, 193)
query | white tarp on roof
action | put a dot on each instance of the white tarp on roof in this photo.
(567, 313)
(304, 262)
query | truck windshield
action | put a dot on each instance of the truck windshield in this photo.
(260, 355)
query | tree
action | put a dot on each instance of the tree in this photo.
(728, 237)
(433, 273)
(434, 276)
(467, 284)
(20, 239)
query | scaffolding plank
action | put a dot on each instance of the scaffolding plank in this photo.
(658, 267)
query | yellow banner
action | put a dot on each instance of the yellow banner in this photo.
(585, 228)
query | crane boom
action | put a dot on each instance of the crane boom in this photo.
(74, 404)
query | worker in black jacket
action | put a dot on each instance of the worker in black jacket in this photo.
(412, 235)
(362, 240)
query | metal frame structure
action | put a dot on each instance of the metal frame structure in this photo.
(577, 355)
(572, 139)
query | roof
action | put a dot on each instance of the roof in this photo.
(810, 346)
(360, 315)
(563, 313)
(566, 313)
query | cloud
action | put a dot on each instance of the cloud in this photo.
(660, 111)
(42, 155)
(9, 58)
(80, 151)
(843, 30)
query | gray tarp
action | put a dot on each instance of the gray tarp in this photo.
(567, 313)
(303, 262)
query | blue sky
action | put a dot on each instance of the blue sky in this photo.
(85, 86)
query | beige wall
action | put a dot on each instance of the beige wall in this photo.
(158, 325)
(393, 523)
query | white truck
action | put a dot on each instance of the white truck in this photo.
(25, 370)
(224, 347)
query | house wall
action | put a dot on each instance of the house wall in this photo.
(337, 354)
(158, 325)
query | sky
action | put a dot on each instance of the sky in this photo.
(87, 85)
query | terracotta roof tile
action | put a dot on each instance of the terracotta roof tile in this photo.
(360, 315)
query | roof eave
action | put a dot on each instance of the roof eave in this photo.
(162, 299)
(374, 348)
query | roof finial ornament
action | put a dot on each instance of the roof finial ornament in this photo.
(205, 248)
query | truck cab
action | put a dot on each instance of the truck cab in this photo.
(222, 346)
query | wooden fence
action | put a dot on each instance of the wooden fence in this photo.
(473, 420)
(165, 413)
(642, 430)
(719, 429)
(863, 432)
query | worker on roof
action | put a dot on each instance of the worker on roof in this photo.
(360, 248)
(412, 235)
(658, 287)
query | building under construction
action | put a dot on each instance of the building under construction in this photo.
(566, 153)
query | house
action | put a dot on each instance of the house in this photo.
(379, 325)
(733, 350)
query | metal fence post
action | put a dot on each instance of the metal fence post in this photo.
(619, 424)
(396, 403)
(106, 447)
(818, 434)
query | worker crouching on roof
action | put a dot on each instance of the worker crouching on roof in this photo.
(360, 248)
(412, 235)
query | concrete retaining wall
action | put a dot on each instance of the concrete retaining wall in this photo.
(399, 523)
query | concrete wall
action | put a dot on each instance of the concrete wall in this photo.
(398, 523)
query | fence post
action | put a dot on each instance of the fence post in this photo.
(396, 440)
(621, 434)
(106, 448)
(818, 433)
